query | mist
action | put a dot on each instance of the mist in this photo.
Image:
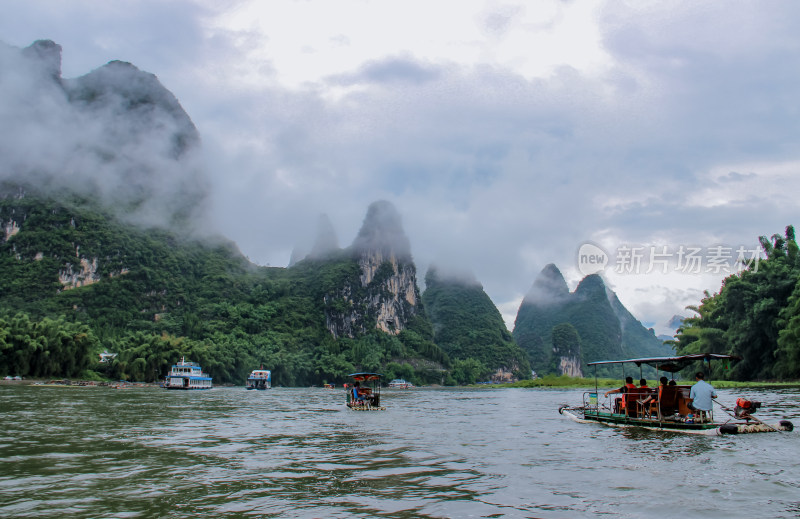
(115, 135)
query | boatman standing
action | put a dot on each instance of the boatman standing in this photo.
(701, 394)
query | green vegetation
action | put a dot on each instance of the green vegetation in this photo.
(470, 330)
(755, 315)
(606, 329)
(44, 348)
(565, 381)
(153, 296)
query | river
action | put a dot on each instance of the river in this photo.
(299, 453)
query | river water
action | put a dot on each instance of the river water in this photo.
(228, 452)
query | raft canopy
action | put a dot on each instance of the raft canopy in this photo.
(670, 364)
(361, 377)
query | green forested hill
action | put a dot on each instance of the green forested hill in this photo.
(470, 329)
(151, 296)
(606, 329)
(756, 315)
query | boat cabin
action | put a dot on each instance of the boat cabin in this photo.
(187, 375)
(259, 379)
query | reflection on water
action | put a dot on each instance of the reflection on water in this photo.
(97, 452)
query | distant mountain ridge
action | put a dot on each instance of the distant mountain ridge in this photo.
(98, 188)
(607, 330)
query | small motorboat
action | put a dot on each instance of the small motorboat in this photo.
(666, 408)
(260, 379)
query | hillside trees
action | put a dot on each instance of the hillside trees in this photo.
(754, 315)
(156, 296)
(468, 327)
(44, 348)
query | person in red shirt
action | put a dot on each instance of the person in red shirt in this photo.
(624, 389)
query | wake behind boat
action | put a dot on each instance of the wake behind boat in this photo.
(668, 407)
(187, 375)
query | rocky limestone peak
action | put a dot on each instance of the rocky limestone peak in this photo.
(389, 297)
(382, 232)
(548, 288)
(47, 54)
(325, 241)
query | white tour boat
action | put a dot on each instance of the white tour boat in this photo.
(399, 382)
(187, 375)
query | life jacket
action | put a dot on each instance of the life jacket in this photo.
(627, 386)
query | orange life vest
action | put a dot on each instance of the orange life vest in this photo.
(627, 386)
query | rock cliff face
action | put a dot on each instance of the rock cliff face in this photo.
(567, 350)
(570, 366)
(385, 294)
(72, 269)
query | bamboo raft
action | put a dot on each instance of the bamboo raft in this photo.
(366, 408)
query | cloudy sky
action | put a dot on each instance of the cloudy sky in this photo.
(507, 134)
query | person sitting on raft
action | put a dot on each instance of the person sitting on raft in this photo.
(359, 396)
(624, 389)
(656, 394)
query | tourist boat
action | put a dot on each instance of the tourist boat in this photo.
(399, 382)
(667, 408)
(328, 386)
(187, 375)
(364, 394)
(259, 379)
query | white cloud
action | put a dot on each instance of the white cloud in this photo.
(506, 133)
(308, 41)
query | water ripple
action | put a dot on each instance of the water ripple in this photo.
(434, 453)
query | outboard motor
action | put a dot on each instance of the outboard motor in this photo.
(744, 408)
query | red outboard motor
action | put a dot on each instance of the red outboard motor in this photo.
(744, 408)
